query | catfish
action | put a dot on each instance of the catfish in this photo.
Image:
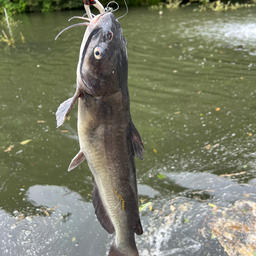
(108, 139)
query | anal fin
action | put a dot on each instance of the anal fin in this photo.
(65, 108)
(78, 159)
(137, 143)
(138, 228)
(100, 210)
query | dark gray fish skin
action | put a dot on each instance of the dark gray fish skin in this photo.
(108, 139)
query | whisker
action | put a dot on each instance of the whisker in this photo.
(93, 15)
(72, 26)
(79, 17)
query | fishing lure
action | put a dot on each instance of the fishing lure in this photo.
(95, 3)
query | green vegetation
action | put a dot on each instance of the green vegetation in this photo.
(145, 206)
(222, 6)
(19, 6)
(161, 176)
(205, 5)
(8, 22)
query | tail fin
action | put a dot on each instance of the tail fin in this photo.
(115, 251)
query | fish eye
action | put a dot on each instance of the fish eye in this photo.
(98, 52)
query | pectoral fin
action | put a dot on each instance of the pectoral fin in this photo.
(100, 210)
(78, 159)
(137, 143)
(65, 108)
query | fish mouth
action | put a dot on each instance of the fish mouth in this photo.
(96, 18)
(94, 32)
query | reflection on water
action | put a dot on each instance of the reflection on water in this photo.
(63, 220)
(192, 90)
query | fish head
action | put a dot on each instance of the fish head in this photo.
(103, 65)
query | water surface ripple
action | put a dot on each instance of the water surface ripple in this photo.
(192, 90)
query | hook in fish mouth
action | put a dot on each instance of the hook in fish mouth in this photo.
(87, 4)
(96, 4)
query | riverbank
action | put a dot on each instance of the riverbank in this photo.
(55, 5)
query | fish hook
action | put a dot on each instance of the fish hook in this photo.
(110, 9)
(96, 4)
(87, 4)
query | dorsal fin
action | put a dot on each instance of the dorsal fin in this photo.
(100, 210)
(65, 108)
(137, 143)
(78, 159)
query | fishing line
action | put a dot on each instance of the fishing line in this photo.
(110, 9)
(107, 9)
(126, 11)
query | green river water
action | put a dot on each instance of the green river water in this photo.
(192, 90)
